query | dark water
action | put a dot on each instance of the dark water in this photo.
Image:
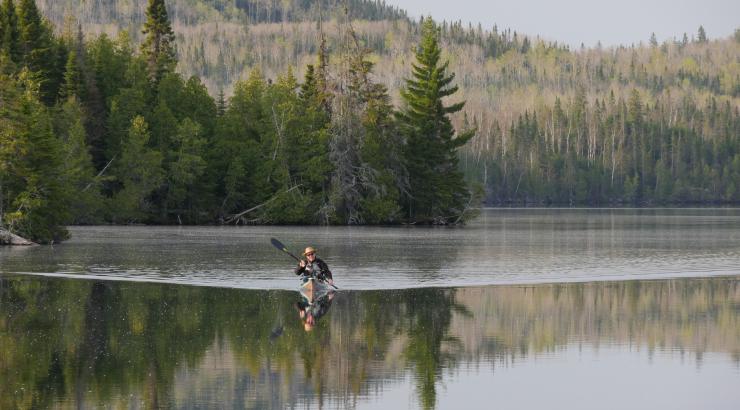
(574, 309)
(69, 343)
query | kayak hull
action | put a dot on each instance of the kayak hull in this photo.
(312, 289)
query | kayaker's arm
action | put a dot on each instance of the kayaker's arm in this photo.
(324, 269)
(301, 268)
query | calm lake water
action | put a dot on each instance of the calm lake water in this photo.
(575, 309)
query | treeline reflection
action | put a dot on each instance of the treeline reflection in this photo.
(74, 343)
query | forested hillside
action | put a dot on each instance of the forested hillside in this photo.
(99, 130)
(308, 112)
(649, 123)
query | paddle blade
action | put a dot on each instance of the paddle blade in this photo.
(278, 245)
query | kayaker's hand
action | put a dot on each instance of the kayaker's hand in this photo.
(302, 263)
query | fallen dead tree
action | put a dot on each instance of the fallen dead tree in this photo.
(9, 238)
(236, 218)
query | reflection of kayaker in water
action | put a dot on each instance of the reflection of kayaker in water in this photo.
(313, 267)
(312, 312)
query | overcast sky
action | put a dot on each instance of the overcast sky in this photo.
(612, 22)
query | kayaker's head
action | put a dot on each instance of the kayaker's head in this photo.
(309, 322)
(310, 254)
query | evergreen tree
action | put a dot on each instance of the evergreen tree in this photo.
(701, 36)
(364, 145)
(38, 50)
(199, 106)
(140, 173)
(33, 195)
(72, 78)
(381, 155)
(9, 33)
(78, 170)
(186, 168)
(437, 191)
(235, 160)
(221, 103)
(158, 48)
(653, 40)
(310, 160)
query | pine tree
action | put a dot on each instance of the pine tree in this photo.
(701, 36)
(221, 103)
(33, 195)
(72, 78)
(653, 40)
(78, 171)
(40, 52)
(158, 47)
(363, 142)
(9, 33)
(186, 168)
(437, 191)
(311, 157)
(140, 172)
(235, 158)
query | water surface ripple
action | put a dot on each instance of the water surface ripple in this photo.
(502, 246)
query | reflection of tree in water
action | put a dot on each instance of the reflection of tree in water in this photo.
(429, 316)
(88, 344)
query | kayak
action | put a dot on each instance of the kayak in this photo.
(313, 289)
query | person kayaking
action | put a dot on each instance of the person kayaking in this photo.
(314, 267)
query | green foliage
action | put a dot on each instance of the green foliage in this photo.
(639, 159)
(72, 78)
(158, 48)
(648, 125)
(33, 191)
(140, 173)
(437, 192)
(186, 167)
(234, 160)
(85, 341)
(39, 50)
(9, 33)
(86, 204)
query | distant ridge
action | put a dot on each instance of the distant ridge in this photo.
(554, 124)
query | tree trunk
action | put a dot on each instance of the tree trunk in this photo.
(7, 238)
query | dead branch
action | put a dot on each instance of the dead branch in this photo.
(9, 238)
(236, 217)
(102, 171)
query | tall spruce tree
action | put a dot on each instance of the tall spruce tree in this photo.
(9, 34)
(72, 78)
(33, 191)
(701, 36)
(39, 51)
(158, 47)
(437, 190)
(140, 172)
